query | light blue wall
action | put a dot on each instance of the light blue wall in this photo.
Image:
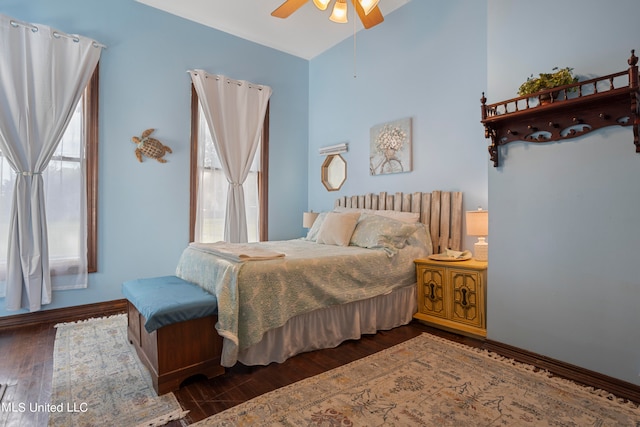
(563, 236)
(563, 254)
(143, 213)
(563, 240)
(428, 62)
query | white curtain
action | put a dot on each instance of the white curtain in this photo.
(235, 114)
(43, 73)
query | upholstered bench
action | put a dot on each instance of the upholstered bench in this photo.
(171, 323)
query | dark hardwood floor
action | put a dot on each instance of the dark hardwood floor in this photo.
(239, 384)
(26, 365)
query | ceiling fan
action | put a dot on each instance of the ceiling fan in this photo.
(367, 10)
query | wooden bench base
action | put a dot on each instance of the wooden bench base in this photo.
(176, 352)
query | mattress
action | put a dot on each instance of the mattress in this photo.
(258, 296)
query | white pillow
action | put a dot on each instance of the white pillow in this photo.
(337, 228)
(409, 217)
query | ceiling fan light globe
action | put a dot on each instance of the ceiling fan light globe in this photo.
(339, 13)
(367, 5)
(321, 4)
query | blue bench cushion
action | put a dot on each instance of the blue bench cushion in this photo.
(168, 299)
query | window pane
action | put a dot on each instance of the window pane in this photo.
(64, 201)
(212, 191)
(73, 136)
(6, 193)
(70, 186)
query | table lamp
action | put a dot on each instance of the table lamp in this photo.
(308, 218)
(478, 225)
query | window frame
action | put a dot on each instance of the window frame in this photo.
(263, 173)
(91, 102)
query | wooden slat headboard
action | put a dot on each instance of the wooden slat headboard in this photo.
(440, 211)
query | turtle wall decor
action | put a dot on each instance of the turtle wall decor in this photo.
(150, 147)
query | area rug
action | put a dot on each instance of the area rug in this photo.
(429, 381)
(98, 380)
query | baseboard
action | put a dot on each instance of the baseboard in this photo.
(580, 375)
(67, 314)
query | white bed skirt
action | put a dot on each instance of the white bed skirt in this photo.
(328, 327)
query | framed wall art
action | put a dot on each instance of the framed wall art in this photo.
(390, 147)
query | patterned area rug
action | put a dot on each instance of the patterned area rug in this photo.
(428, 381)
(98, 379)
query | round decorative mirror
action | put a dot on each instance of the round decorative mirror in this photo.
(334, 172)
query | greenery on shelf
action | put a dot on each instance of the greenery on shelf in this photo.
(559, 77)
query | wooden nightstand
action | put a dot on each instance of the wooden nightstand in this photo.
(452, 295)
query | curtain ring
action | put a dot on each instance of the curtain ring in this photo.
(73, 37)
(16, 24)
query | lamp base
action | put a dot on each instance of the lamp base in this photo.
(481, 250)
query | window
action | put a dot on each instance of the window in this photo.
(70, 182)
(208, 207)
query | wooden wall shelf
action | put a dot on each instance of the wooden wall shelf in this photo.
(573, 110)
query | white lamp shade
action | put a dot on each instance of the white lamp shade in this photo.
(478, 223)
(321, 4)
(368, 5)
(308, 218)
(339, 13)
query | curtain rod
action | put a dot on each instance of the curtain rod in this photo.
(57, 34)
(228, 80)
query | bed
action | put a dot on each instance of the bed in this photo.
(278, 299)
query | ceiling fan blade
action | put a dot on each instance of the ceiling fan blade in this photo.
(372, 19)
(287, 8)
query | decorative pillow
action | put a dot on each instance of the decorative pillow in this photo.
(409, 217)
(312, 234)
(375, 231)
(421, 238)
(337, 228)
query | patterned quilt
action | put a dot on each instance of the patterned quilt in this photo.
(256, 296)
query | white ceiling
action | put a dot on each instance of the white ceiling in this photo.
(306, 33)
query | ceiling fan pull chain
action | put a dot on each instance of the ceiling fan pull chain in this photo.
(355, 74)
